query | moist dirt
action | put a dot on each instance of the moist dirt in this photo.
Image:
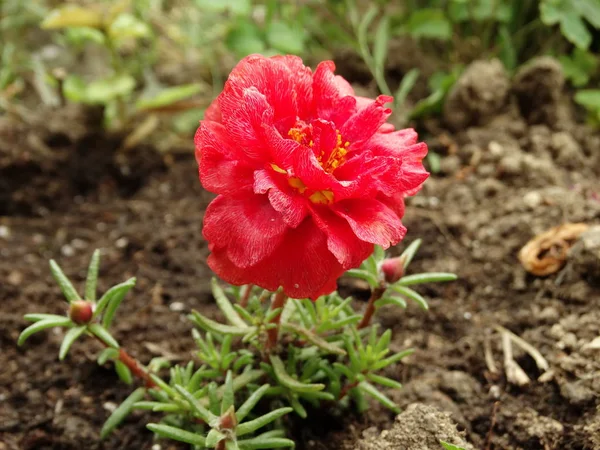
(512, 166)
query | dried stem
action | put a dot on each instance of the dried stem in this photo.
(273, 333)
(370, 310)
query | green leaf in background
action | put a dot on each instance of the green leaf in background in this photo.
(285, 38)
(590, 9)
(549, 12)
(479, 11)
(574, 30)
(127, 26)
(508, 52)
(579, 67)
(429, 23)
(244, 38)
(237, 7)
(589, 99)
(101, 91)
(169, 96)
(570, 14)
(72, 16)
(380, 45)
(82, 35)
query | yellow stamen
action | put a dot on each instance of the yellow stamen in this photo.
(337, 157)
(324, 197)
(297, 183)
(276, 168)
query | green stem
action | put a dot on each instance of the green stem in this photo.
(273, 333)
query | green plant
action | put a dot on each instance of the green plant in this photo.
(590, 100)
(272, 356)
(131, 44)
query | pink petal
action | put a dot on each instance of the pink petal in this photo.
(247, 227)
(371, 221)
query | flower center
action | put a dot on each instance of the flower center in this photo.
(330, 160)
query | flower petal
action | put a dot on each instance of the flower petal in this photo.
(284, 81)
(223, 168)
(284, 200)
(245, 118)
(365, 123)
(349, 250)
(371, 221)
(299, 265)
(247, 227)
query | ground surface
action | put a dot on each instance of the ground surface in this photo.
(513, 165)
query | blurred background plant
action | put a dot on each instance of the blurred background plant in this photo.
(154, 66)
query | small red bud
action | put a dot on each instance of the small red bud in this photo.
(81, 311)
(392, 269)
(228, 419)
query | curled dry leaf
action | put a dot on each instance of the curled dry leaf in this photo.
(546, 253)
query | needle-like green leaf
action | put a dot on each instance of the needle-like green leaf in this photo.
(63, 282)
(121, 412)
(413, 295)
(291, 383)
(314, 339)
(253, 425)
(250, 403)
(420, 278)
(225, 305)
(102, 333)
(177, 434)
(43, 325)
(92, 277)
(68, 340)
(119, 289)
(200, 410)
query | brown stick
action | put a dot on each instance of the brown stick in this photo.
(273, 333)
(370, 310)
(346, 389)
(488, 440)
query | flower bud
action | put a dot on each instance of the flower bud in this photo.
(392, 269)
(81, 311)
(228, 419)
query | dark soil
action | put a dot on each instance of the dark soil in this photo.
(512, 167)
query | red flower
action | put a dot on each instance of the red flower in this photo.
(308, 176)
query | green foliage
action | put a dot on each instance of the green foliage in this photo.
(449, 446)
(263, 363)
(590, 100)
(571, 16)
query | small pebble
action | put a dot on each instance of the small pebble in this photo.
(67, 250)
(109, 406)
(177, 306)
(4, 231)
(533, 199)
(122, 242)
